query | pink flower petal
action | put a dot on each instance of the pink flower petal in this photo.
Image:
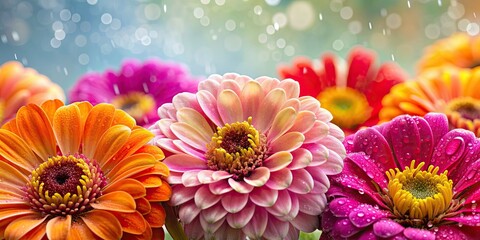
(365, 214)
(181, 194)
(301, 158)
(334, 164)
(188, 212)
(229, 107)
(270, 106)
(277, 161)
(439, 125)
(220, 175)
(190, 135)
(341, 207)
(317, 132)
(305, 222)
(257, 225)
(251, 96)
(280, 179)
(210, 227)
(288, 142)
(291, 87)
(194, 230)
(185, 99)
(184, 162)
(205, 176)
(370, 169)
(321, 183)
(302, 182)
(196, 120)
(276, 229)
(234, 202)
(386, 228)
(282, 206)
(208, 103)
(282, 123)
(232, 85)
(210, 85)
(264, 197)
(220, 187)
(240, 186)
(373, 143)
(334, 144)
(241, 218)
(345, 229)
(190, 178)
(183, 147)
(205, 199)
(303, 122)
(214, 213)
(450, 151)
(312, 204)
(258, 177)
(417, 234)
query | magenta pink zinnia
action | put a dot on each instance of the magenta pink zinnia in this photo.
(137, 88)
(410, 178)
(248, 157)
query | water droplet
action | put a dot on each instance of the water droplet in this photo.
(361, 214)
(455, 145)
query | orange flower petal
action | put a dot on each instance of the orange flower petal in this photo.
(159, 168)
(122, 118)
(98, 121)
(158, 233)
(59, 227)
(103, 224)
(68, 128)
(80, 231)
(14, 212)
(147, 234)
(22, 226)
(50, 107)
(133, 223)
(109, 144)
(115, 201)
(156, 217)
(129, 185)
(150, 181)
(154, 150)
(11, 126)
(12, 176)
(138, 138)
(37, 233)
(143, 205)
(34, 127)
(15, 150)
(160, 194)
(131, 165)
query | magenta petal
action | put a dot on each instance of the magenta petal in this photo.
(439, 124)
(327, 221)
(241, 218)
(403, 136)
(220, 187)
(280, 180)
(467, 220)
(467, 177)
(453, 232)
(305, 222)
(188, 212)
(366, 164)
(258, 177)
(276, 229)
(240, 186)
(181, 194)
(264, 197)
(386, 228)
(234, 202)
(451, 149)
(344, 228)
(302, 182)
(184, 162)
(373, 144)
(277, 161)
(341, 207)
(426, 143)
(204, 198)
(418, 234)
(364, 215)
(257, 225)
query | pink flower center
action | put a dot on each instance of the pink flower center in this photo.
(65, 185)
(236, 148)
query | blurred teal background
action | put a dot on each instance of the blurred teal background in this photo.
(64, 39)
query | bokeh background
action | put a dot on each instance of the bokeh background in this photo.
(64, 39)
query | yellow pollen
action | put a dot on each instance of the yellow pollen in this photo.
(348, 106)
(237, 148)
(136, 104)
(418, 194)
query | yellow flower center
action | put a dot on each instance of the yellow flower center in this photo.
(464, 113)
(348, 106)
(136, 104)
(417, 194)
(237, 148)
(64, 185)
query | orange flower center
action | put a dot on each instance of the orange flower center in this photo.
(136, 104)
(464, 113)
(348, 106)
(65, 185)
(237, 148)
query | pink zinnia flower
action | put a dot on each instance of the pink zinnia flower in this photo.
(138, 88)
(410, 178)
(248, 157)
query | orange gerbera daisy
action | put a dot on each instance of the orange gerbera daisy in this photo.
(452, 91)
(79, 172)
(20, 86)
(459, 50)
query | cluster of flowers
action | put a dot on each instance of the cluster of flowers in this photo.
(355, 150)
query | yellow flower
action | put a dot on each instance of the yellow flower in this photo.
(79, 172)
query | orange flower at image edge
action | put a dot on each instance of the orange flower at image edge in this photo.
(79, 172)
